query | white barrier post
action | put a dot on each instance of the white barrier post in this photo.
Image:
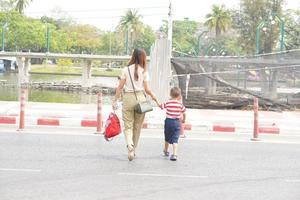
(22, 109)
(99, 112)
(255, 126)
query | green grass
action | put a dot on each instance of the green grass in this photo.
(74, 70)
(105, 72)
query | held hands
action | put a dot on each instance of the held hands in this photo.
(114, 104)
(156, 101)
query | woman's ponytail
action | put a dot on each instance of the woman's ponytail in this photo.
(136, 75)
(138, 58)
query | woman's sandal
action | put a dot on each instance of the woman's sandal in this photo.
(131, 153)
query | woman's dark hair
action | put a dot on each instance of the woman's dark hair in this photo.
(138, 58)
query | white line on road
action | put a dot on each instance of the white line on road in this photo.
(20, 170)
(293, 181)
(198, 137)
(162, 175)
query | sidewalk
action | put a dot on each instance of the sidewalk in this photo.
(85, 115)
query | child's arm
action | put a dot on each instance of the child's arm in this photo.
(157, 103)
(183, 117)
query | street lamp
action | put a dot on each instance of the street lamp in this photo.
(109, 42)
(262, 24)
(4, 28)
(126, 42)
(48, 37)
(110, 47)
(131, 39)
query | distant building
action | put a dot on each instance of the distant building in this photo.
(8, 64)
(2, 68)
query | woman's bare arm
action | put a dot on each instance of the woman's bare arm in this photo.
(118, 92)
(150, 93)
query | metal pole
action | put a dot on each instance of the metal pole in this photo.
(110, 43)
(126, 42)
(257, 40)
(257, 44)
(48, 38)
(281, 34)
(170, 26)
(110, 47)
(3, 38)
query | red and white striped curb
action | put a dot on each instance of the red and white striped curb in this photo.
(269, 128)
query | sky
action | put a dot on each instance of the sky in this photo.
(105, 14)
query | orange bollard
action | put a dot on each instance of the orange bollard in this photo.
(22, 109)
(255, 125)
(99, 112)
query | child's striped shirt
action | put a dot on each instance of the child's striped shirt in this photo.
(174, 109)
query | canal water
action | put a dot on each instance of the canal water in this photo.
(9, 90)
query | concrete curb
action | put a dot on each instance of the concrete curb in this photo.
(73, 122)
(85, 115)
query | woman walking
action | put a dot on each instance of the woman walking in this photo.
(133, 121)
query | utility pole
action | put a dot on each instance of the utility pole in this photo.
(126, 41)
(110, 43)
(48, 38)
(4, 27)
(170, 25)
(2, 38)
(110, 47)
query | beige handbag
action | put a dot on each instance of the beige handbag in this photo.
(141, 107)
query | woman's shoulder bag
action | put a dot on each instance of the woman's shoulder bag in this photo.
(141, 107)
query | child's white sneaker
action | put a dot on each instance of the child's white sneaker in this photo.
(173, 157)
(166, 153)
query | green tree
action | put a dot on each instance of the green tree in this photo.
(184, 35)
(85, 38)
(223, 46)
(219, 19)
(145, 39)
(252, 13)
(30, 34)
(6, 5)
(292, 29)
(110, 43)
(130, 25)
(23, 33)
(21, 5)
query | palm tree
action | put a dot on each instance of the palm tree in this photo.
(219, 19)
(21, 5)
(130, 23)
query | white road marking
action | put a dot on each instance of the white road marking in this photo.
(162, 175)
(293, 180)
(20, 170)
(189, 138)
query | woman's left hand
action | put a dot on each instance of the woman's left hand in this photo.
(114, 104)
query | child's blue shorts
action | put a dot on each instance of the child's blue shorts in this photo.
(172, 130)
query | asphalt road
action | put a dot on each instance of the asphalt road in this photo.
(86, 167)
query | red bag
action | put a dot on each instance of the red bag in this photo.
(112, 126)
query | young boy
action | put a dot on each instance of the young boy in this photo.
(174, 110)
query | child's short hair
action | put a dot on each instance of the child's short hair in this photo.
(175, 92)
